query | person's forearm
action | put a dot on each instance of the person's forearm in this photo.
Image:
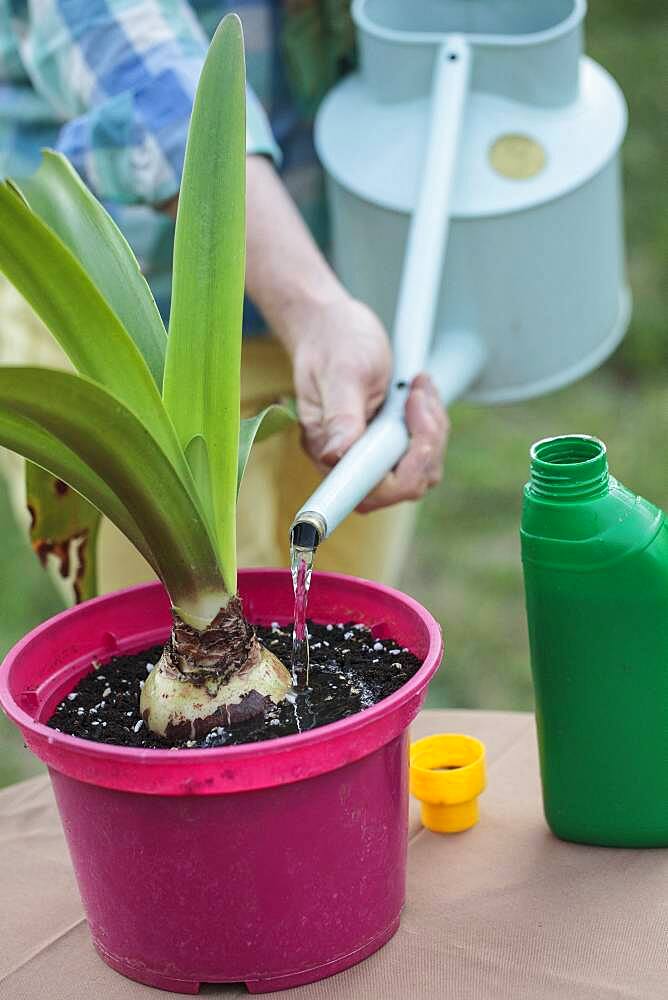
(286, 274)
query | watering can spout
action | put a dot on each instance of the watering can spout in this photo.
(386, 439)
(307, 530)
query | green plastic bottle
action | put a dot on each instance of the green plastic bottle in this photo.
(595, 562)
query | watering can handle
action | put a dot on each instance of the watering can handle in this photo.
(460, 357)
(422, 273)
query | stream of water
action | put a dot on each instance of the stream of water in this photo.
(301, 565)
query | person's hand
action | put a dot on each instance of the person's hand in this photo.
(341, 356)
(422, 465)
(342, 365)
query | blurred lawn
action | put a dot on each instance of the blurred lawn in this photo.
(466, 560)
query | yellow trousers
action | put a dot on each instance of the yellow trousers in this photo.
(279, 476)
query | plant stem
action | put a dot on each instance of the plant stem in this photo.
(215, 653)
(200, 611)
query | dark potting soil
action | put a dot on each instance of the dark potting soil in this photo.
(350, 671)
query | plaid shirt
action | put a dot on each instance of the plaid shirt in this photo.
(110, 83)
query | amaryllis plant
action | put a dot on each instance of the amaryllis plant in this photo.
(147, 428)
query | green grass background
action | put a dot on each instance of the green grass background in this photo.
(465, 565)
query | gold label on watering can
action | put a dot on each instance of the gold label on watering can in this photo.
(517, 156)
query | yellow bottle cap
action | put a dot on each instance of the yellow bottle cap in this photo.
(447, 774)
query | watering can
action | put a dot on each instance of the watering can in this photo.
(472, 169)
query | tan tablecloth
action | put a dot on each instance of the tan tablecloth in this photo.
(502, 912)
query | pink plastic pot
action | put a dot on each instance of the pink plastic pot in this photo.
(273, 864)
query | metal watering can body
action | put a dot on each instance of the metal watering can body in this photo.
(473, 180)
(595, 562)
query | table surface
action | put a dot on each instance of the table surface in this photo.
(502, 912)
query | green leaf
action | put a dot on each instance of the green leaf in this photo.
(202, 371)
(57, 195)
(60, 291)
(198, 460)
(65, 527)
(21, 435)
(269, 421)
(132, 464)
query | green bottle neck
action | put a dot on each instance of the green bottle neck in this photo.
(576, 515)
(569, 469)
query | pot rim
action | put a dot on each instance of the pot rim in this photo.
(182, 758)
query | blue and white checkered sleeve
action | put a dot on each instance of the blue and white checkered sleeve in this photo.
(122, 74)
